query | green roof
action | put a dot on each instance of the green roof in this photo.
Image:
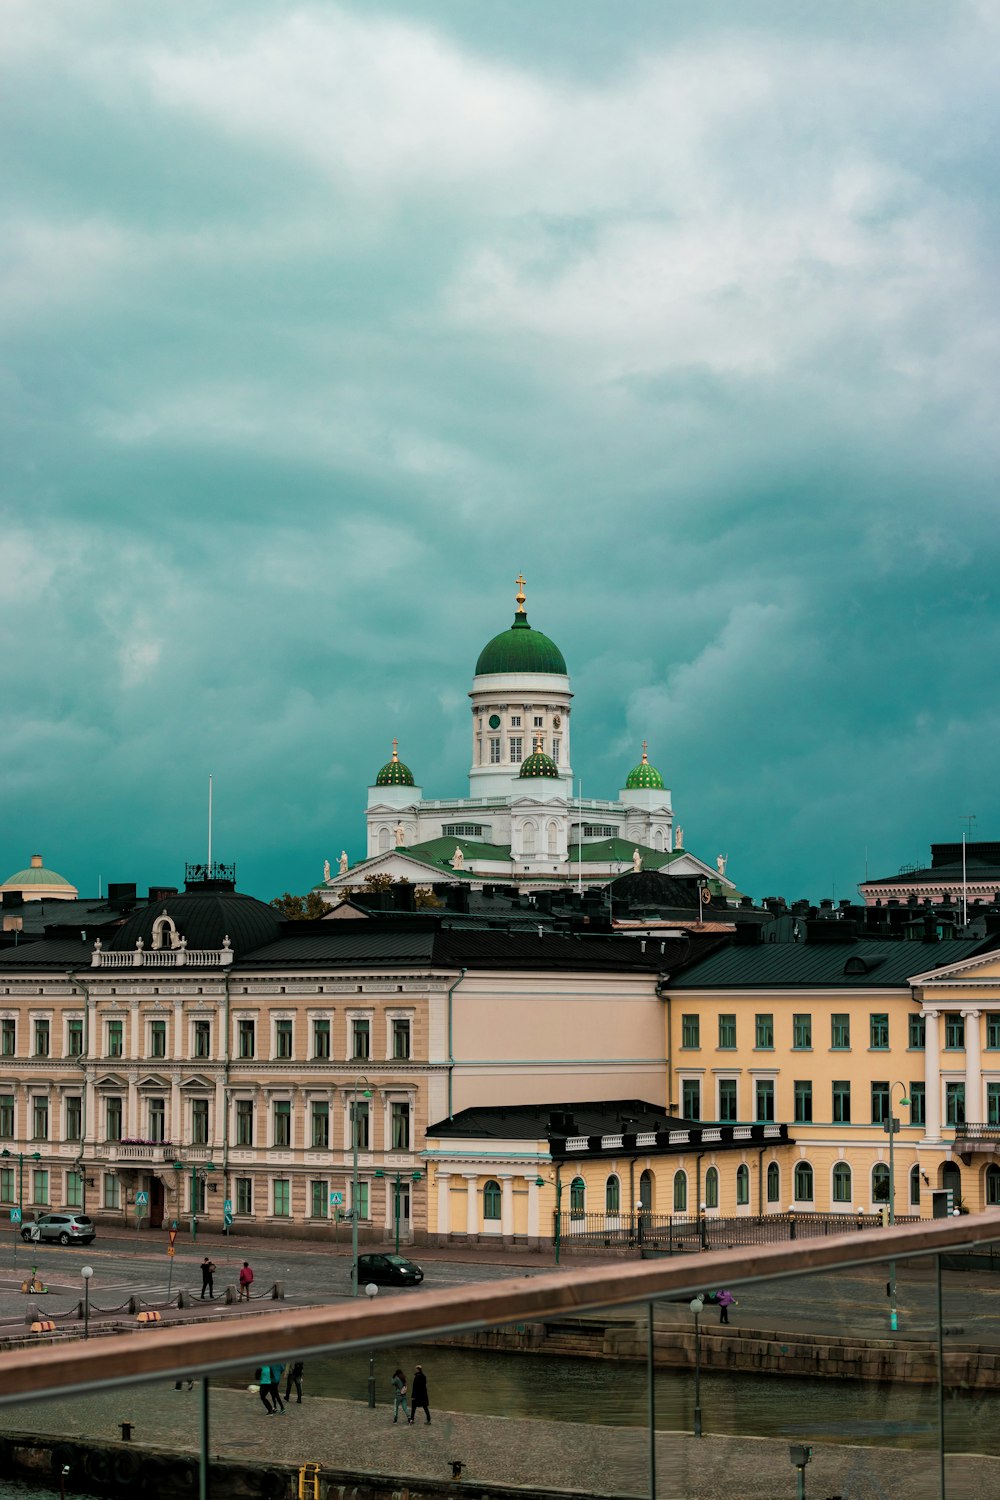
(521, 649)
(644, 775)
(538, 764)
(853, 964)
(37, 875)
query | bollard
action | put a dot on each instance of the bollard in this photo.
(126, 1428)
(278, 1292)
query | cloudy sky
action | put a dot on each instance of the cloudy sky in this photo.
(321, 321)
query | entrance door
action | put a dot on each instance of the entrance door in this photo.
(155, 1203)
(951, 1177)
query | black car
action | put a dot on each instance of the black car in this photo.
(388, 1270)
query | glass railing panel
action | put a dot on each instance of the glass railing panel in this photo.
(968, 1284)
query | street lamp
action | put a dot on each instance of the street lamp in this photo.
(557, 1180)
(697, 1306)
(354, 1176)
(371, 1291)
(204, 1169)
(415, 1176)
(86, 1272)
(891, 1125)
(35, 1156)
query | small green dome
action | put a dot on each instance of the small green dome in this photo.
(521, 649)
(36, 874)
(644, 775)
(538, 764)
(394, 773)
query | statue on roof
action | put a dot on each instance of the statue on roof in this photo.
(326, 871)
(400, 835)
(342, 862)
(679, 838)
(636, 861)
(721, 861)
(458, 859)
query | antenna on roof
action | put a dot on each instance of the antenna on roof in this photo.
(968, 819)
(210, 821)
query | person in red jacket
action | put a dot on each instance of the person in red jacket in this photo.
(246, 1280)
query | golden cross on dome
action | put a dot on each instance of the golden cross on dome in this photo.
(395, 749)
(644, 758)
(538, 744)
(520, 595)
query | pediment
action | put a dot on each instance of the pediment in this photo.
(112, 1081)
(154, 1081)
(982, 968)
(197, 1081)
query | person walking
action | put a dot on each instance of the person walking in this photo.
(275, 1390)
(264, 1377)
(418, 1395)
(726, 1300)
(246, 1281)
(399, 1396)
(207, 1284)
(294, 1377)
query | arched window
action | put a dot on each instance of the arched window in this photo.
(742, 1185)
(612, 1196)
(553, 839)
(383, 840)
(915, 1187)
(803, 1187)
(680, 1192)
(773, 1183)
(712, 1188)
(646, 1190)
(841, 1183)
(992, 1185)
(658, 839)
(577, 1197)
(528, 838)
(491, 1200)
(164, 933)
(880, 1183)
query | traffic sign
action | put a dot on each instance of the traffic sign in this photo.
(171, 1236)
(141, 1198)
(336, 1198)
(227, 1207)
(171, 1250)
(15, 1216)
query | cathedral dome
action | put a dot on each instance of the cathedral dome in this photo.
(38, 883)
(521, 649)
(394, 773)
(644, 775)
(538, 764)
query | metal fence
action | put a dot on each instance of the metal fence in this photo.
(676, 1234)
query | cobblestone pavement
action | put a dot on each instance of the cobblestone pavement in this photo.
(612, 1461)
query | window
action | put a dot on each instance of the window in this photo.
(712, 1188)
(115, 1038)
(880, 1183)
(41, 1038)
(74, 1189)
(538, 721)
(112, 1191)
(742, 1185)
(993, 1104)
(880, 1101)
(992, 1185)
(40, 1185)
(319, 1198)
(515, 721)
(282, 1122)
(202, 1038)
(465, 830)
(842, 1101)
(556, 742)
(400, 1040)
(764, 1031)
(199, 1122)
(245, 1042)
(918, 1033)
(803, 1101)
(691, 1099)
(320, 1134)
(6, 1117)
(113, 1119)
(954, 1031)
(992, 1030)
(360, 1038)
(803, 1182)
(773, 1182)
(244, 1122)
(399, 1120)
(283, 1040)
(802, 1032)
(282, 1198)
(492, 1200)
(918, 1104)
(878, 1031)
(764, 1099)
(577, 1197)
(727, 1100)
(841, 1183)
(6, 1184)
(156, 1120)
(840, 1032)
(680, 1192)
(727, 1032)
(74, 1117)
(690, 1031)
(157, 1038)
(955, 1103)
(612, 1196)
(244, 1195)
(914, 1187)
(8, 1037)
(494, 743)
(321, 1038)
(362, 1203)
(516, 754)
(74, 1037)
(39, 1119)
(361, 1119)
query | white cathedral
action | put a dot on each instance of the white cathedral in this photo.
(520, 824)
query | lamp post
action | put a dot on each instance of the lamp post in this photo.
(892, 1125)
(204, 1169)
(396, 1181)
(371, 1291)
(557, 1180)
(354, 1175)
(697, 1307)
(86, 1272)
(35, 1156)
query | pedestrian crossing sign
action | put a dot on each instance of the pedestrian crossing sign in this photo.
(15, 1216)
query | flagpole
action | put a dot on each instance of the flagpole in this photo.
(210, 827)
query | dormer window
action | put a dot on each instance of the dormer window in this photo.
(165, 934)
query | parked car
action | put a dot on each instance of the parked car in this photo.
(389, 1270)
(67, 1228)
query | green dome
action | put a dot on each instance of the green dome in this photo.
(644, 775)
(538, 764)
(394, 773)
(521, 649)
(37, 874)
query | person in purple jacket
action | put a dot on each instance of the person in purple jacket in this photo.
(726, 1300)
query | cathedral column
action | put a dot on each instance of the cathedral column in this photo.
(932, 1077)
(444, 1203)
(973, 1069)
(472, 1203)
(507, 1205)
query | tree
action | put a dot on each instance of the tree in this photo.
(300, 908)
(424, 896)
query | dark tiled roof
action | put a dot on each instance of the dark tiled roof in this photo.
(205, 917)
(530, 1122)
(48, 953)
(853, 964)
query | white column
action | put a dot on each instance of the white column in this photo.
(973, 1069)
(532, 1207)
(472, 1203)
(217, 1131)
(176, 1125)
(90, 1122)
(136, 1041)
(179, 1051)
(507, 1205)
(444, 1203)
(932, 1077)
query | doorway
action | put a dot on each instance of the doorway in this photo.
(155, 1203)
